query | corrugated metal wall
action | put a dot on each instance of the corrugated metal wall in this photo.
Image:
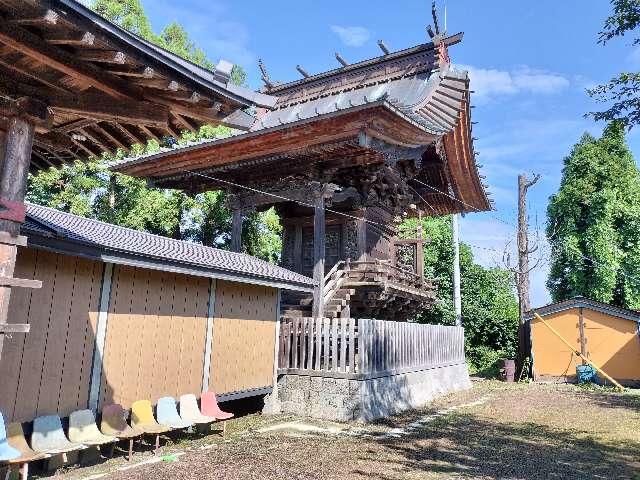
(155, 336)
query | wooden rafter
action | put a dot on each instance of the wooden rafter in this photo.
(105, 133)
(38, 49)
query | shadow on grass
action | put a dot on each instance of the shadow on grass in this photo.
(463, 446)
(613, 400)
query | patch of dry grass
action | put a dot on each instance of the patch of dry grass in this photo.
(521, 432)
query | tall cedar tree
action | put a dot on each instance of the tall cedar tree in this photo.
(593, 223)
(89, 189)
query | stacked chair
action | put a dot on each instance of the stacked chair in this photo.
(142, 419)
(17, 440)
(48, 437)
(114, 423)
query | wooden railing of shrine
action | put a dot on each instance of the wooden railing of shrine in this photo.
(365, 348)
(347, 274)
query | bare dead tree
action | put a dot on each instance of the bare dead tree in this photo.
(523, 268)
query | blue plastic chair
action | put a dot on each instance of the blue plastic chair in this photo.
(7, 452)
(167, 414)
(48, 436)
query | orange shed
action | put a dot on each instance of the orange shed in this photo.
(608, 336)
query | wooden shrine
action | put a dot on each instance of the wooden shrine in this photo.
(342, 156)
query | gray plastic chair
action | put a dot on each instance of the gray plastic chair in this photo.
(48, 436)
(167, 414)
(83, 429)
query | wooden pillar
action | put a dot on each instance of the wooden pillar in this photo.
(297, 248)
(361, 226)
(420, 249)
(236, 231)
(13, 184)
(318, 254)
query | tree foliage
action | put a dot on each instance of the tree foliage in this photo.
(489, 305)
(623, 90)
(593, 222)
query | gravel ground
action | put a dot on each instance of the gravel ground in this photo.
(505, 432)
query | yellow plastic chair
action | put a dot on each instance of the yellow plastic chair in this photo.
(142, 419)
(114, 423)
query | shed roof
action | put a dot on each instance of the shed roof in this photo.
(583, 302)
(52, 229)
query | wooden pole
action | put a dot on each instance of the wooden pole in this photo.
(13, 185)
(457, 297)
(236, 231)
(318, 254)
(553, 330)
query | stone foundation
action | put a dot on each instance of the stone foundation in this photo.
(345, 399)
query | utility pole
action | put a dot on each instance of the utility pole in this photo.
(522, 272)
(457, 297)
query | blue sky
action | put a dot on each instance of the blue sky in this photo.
(529, 62)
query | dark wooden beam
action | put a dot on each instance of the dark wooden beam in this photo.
(105, 133)
(149, 133)
(134, 138)
(137, 72)
(97, 141)
(44, 17)
(74, 125)
(103, 56)
(33, 46)
(100, 107)
(68, 37)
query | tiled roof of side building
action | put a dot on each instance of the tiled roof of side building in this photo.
(110, 242)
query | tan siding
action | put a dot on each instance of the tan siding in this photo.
(613, 344)
(550, 355)
(155, 335)
(243, 337)
(49, 367)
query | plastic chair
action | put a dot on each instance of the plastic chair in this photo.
(114, 423)
(48, 436)
(7, 452)
(190, 412)
(167, 414)
(83, 429)
(16, 438)
(209, 406)
(142, 419)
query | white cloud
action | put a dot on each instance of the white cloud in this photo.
(352, 36)
(489, 83)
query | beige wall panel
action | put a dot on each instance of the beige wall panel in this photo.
(550, 355)
(50, 366)
(613, 344)
(243, 337)
(155, 335)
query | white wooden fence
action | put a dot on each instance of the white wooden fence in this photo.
(365, 348)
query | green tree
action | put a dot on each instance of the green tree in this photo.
(489, 304)
(624, 89)
(129, 14)
(593, 222)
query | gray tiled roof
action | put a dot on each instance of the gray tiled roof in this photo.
(50, 223)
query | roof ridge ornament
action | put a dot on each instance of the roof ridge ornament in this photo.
(438, 37)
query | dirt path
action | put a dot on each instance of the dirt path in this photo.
(495, 431)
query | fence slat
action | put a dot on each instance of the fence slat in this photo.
(303, 343)
(334, 344)
(318, 342)
(343, 344)
(352, 345)
(326, 343)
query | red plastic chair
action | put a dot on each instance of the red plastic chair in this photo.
(209, 407)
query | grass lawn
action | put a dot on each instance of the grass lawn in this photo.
(497, 431)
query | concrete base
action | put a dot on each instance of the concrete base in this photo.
(343, 399)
